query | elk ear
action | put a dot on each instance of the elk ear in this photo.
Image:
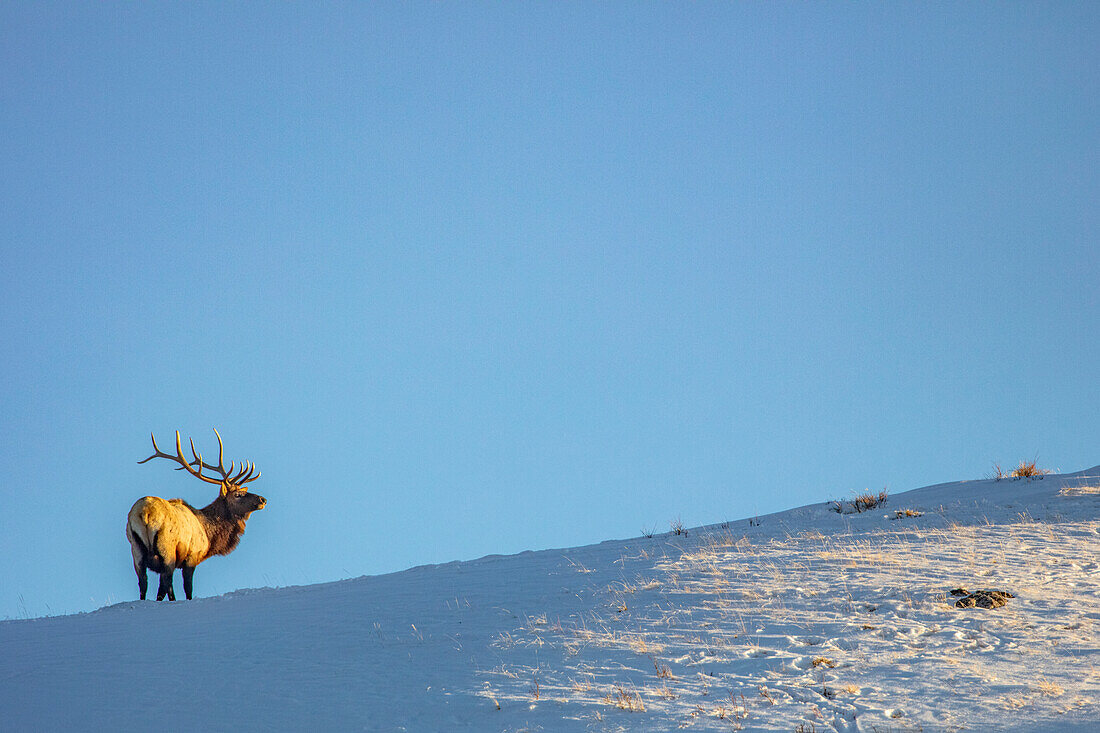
(225, 489)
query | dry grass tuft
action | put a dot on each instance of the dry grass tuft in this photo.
(735, 715)
(861, 503)
(625, 699)
(1079, 490)
(663, 670)
(1050, 688)
(1028, 470)
(581, 685)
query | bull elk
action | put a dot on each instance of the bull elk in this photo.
(169, 534)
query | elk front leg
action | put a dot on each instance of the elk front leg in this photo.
(188, 574)
(166, 585)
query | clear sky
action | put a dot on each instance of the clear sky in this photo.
(471, 278)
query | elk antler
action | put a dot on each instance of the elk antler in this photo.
(242, 477)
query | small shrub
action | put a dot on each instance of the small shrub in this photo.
(859, 504)
(906, 513)
(677, 526)
(1028, 470)
(998, 473)
(867, 501)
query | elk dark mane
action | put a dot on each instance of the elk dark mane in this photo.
(224, 529)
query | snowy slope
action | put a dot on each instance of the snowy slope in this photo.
(803, 618)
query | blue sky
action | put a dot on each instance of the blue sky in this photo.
(479, 278)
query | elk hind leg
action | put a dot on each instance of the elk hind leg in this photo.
(141, 564)
(165, 588)
(143, 579)
(188, 574)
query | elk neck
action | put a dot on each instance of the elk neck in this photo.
(222, 526)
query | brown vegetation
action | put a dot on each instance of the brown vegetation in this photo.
(1028, 469)
(860, 503)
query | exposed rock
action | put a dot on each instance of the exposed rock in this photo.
(982, 598)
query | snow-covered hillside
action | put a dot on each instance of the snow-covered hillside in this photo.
(803, 620)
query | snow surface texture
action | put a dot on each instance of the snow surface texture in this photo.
(805, 620)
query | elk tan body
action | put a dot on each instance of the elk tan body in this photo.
(170, 529)
(166, 534)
